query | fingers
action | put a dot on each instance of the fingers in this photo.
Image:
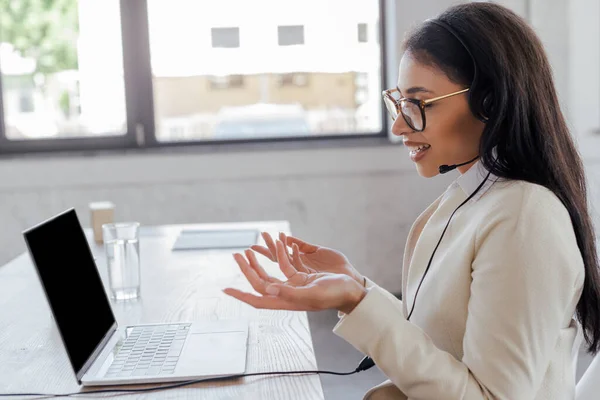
(264, 302)
(271, 245)
(255, 281)
(284, 262)
(283, 239)
(259, 269)
(271, 250)
(302, 245)
(264, 251)
(296, 262)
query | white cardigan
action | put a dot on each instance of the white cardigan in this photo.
(494, 316)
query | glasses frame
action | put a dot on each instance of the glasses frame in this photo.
(387, 94)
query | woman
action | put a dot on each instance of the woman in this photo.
(501, 270)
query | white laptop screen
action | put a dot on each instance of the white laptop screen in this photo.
(66, 267)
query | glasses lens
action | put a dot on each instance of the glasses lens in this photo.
(391, 107)
(412, 114)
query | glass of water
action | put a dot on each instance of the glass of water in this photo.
(121, 242)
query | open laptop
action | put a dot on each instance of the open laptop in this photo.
(101, 353)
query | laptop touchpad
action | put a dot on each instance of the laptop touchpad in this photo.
(214, 353)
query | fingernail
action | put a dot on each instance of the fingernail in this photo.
(272, 290)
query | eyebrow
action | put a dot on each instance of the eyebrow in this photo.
(415, 89)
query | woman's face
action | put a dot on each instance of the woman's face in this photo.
(451, 130)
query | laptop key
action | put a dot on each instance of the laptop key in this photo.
(139, 372)
(153, 371)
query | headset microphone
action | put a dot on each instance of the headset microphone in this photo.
(447, 168)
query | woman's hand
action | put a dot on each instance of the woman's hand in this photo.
(309, 258)
(303, 291)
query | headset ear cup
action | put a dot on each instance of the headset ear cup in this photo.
(481, 104)
(487, 105)
(476, 105)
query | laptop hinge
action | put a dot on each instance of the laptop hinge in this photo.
(88, 363)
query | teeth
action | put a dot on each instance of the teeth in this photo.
(420, 149)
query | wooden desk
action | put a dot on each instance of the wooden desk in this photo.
(176, 286)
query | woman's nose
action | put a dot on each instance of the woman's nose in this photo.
(400, 127)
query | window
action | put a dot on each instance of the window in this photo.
(362, 33)
(362, 88)
(226, 82)
(54, 62)
(293, 80)
(290, 35)
(89, 74)
(225, 37)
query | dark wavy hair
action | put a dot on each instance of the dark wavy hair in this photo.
(513, 91)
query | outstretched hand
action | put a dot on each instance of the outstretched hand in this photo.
(303, 290)
(308, 257)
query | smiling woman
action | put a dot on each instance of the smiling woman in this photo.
(493, 305)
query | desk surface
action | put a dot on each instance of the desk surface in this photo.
(176, 286)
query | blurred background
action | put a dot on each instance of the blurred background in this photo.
(193, 111)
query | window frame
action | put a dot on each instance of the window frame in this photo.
(215, 29)
(281, 36)
(360, 34)
(139, 101)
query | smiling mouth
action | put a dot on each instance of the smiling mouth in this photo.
(419, 149)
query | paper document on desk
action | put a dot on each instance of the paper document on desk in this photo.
(212, 239)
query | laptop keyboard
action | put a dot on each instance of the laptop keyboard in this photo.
(149, 350)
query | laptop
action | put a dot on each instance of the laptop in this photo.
(102, 353)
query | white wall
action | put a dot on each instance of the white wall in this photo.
(361, 201)
(570, 33)
(584, 66)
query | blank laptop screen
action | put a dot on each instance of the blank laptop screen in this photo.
(66, 267)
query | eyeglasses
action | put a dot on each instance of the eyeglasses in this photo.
(412, 110)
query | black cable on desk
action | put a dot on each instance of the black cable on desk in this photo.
(364, 365)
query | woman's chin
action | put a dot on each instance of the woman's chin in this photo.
(427, 171)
